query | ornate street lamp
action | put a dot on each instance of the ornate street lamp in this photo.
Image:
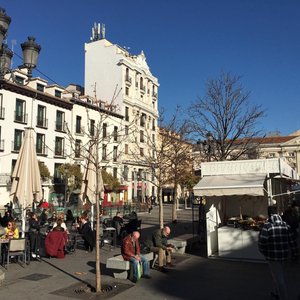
(30, 50)
(4, 23)
(207, 146)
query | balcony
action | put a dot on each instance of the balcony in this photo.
(59, 152)
(79, 130)
(21, 118)
(16, 146)
(41, 122)
(143, 89)
(128, 80)
(43, 151)
(2, 113)
(1, 145)
(60, 126)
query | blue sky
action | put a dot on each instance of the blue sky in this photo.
(186, 42)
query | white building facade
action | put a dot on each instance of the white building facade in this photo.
(124, 82)
(36, 105)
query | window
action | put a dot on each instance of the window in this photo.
(115, 153)
(141, 84)
(153, 124)
(2, 110)
(126, 113)
(1, 142)
(115, 173)
(59, 146)
(40, 87)
(78, 124)
(92, 127)
(18, 140)
(126, 129)
(41, 116)
(60, 118)
(40, 143)
(126, 149)
(143, 120)
(104, 130)
(141, 136)
(127, 77)
(20, 115)
(19, 80)
(77, 148)
(57, 174)
(153, 138)
(57, 93)
(141, 151)
(139, 174)
(104, 152)
(13, 164)
(127, 91)
(125, 173)
(115, 133)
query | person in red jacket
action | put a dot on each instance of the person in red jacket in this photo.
(55, 243)
(131, 251)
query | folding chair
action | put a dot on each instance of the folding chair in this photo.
(16, 248)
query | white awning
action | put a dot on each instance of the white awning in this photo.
(228, 185)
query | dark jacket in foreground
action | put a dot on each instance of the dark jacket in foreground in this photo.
(276, 240)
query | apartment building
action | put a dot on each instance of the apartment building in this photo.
(39, 106)
(123, 83)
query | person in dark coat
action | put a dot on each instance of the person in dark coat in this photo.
(118, 223)
(6, 218)
(276, 242)
(132, 225)
(34, 235)
(88, 234)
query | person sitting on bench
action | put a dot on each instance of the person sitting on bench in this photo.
(131, 251)
(160, 241)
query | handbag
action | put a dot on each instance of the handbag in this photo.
(139, 271)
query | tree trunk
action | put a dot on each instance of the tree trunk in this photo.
(174, 205)
(161, 209)
(98, 271)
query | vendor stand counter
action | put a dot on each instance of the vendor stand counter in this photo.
(238, 243)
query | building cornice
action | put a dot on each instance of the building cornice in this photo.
(96, 108)
(35, 94)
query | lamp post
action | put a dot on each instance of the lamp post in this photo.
(30, 50)
(207, 146)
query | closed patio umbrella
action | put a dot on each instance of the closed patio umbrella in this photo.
(89, 184)
(26, 185)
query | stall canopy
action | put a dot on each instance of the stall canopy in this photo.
(228, 185)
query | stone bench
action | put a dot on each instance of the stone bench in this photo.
(121, 267)
(183, 241)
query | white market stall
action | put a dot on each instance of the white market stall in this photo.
(237, 196)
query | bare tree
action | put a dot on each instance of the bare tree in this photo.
(166, 157)
(179, 154)
(93, 147)
(226, 113)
